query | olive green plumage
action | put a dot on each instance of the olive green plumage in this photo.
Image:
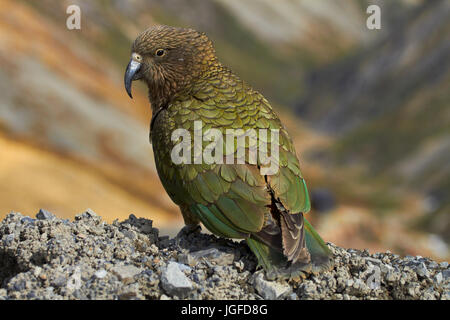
(187, 83)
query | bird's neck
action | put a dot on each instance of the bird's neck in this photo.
(161, 95)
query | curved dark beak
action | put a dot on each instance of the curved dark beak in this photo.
(131, 74)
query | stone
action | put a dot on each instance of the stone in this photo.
(89, 213)
(125, 273)
(446, 274)
(45, 215)
(59, 281)
(183, 267)
(270, 290)
(74, 281)
(422, 270)
(100, 274)
(174, 281)
(130, 292)
(8, 239)
(373, 260)
(438, 278)
(27, 220)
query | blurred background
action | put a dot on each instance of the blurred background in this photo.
(369, 110)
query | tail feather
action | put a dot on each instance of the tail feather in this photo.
(293, 235)
(273, 260)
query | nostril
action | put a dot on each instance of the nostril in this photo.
(137, 57)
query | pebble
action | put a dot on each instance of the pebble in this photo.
(174, 281)
(45, 215)
(100, 274)
(422, 271)
(125, 273)
(270, 290)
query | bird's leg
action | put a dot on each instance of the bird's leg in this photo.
(192, 223)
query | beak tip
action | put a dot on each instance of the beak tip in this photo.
(129, 94)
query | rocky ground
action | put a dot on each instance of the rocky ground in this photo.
(50, 258)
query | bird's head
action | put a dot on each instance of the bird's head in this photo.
(168, 59)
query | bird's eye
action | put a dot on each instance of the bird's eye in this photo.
(160, 52)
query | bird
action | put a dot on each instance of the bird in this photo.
(187, 84)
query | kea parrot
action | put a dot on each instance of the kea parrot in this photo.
(187, 83)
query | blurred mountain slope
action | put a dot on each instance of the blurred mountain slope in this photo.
(389, 105)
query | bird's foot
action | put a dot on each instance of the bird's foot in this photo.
(298, 271)
(295, 272)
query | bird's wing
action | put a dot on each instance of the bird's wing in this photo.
(231, 200)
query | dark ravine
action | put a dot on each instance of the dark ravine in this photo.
(50, 258)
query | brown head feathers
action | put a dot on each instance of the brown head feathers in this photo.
(171, 59)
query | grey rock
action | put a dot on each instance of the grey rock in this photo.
(422, 271)
(45, 215)
(174, 281)
(293, 296)
(129, 234)
(438, 278)
(270, 290)
(446, 274)
(184, 267)
(130, 292)
(74, 281)
(59, 281)
(28, 220)
(373, 260)
(125, 273)
(100, 274)
(8, 239)
(89, 213)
